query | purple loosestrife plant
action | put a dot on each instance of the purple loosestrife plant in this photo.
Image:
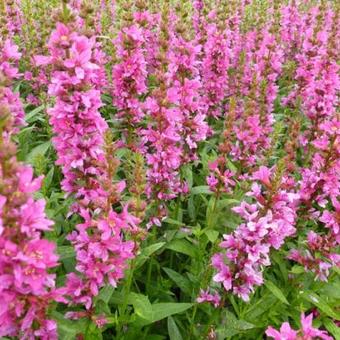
(129, 76)
(268, 222)
(161, 137)
(86, 154)
(216, 121)
(27, 287)
(8, 71)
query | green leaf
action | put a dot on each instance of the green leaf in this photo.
(191, 208)
(282, 265)
(66, 252)
(48, 178)
(331, 290)
(212, 235)
(187, 174)
(155, 337)
(160, 311)
(238, 324)
(33, 116)
(93, 333)
(321, 304)
(182, 246)
(147, 252)
(174, 333)
(26, 130)
(231, 166)
(182, 282)
(163, 310)
(202, 189)
(117, 298)
(332, 328)
(141, 305)
(211, 214)
(68, 329)
(227, 201)
(277, 292)
(260, 306)
(172, 221)
(39, 150)
(105, 293)
(152, 249)
(17, 87)
(233, 326)
(297, 269)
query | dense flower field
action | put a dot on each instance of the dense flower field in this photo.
(169, 169)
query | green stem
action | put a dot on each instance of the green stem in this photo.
(213, 210)
(192, 322)
(125, 303)
(149, 272)
(207, 270)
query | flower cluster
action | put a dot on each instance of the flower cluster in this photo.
(27, 287)
(86, 155)
(307, 332)
(184, 95)
(319, 191)
(141, 105)
(205, 296)
(268, 222)
(79, 129)
(255, 92)
(8, 72)
(12, 17)
(215, 66)
(315, 91)
(129, 75)
(176, 109)
(161, 138)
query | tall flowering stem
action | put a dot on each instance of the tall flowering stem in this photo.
(161, 137)
(198, 19)
(256, 90)
(8, 72)
(86, 153)
(268, 222)
(315, 93)
(12, 18)
(27, 287)
(129, 75)
(319, 190)
(215, 66)
(184, 95)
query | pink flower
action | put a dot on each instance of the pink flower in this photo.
(9, 57)
(212, 182)
(214, 72)
(263, 175)
(26, 181)
(102, 252)
(285, 333)
(205, 296)
(130, 74)
(26, 286)
(309, 332)
(100, 321)
(246, 251)
(224, 274)
(48, 331)
(33, 218)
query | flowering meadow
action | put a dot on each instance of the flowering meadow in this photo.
(169, 169)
